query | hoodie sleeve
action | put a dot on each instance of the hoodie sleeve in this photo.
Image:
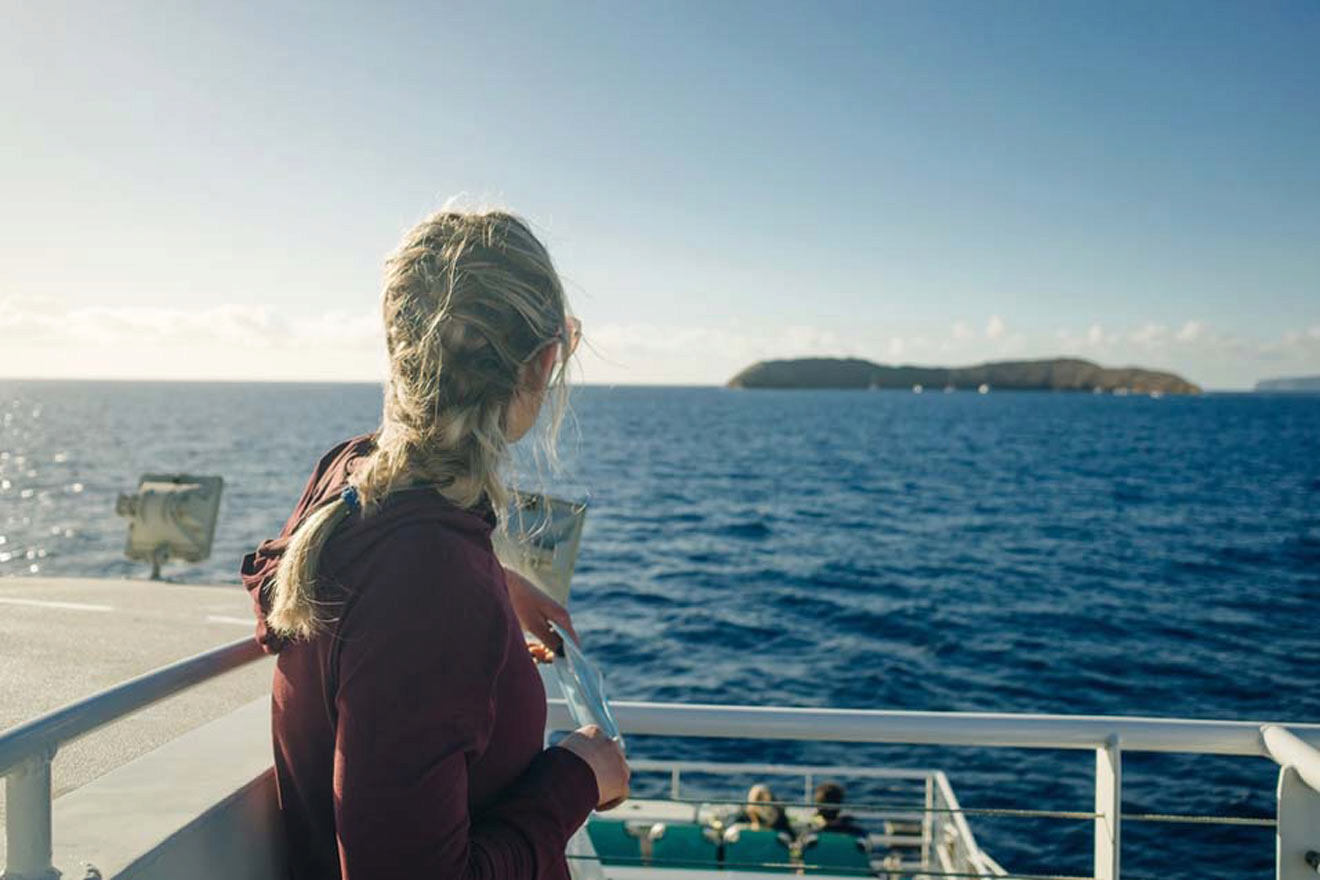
(414, 704)
(259, 566)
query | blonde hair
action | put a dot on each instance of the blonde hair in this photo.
(469, 299)
(761, 809)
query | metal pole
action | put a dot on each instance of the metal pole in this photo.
(1297, 838)
(928, 823)
(27, 821)
(939, 728)
(53, 729)
(1108, 808)
(1289, 751)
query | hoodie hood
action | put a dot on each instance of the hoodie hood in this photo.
(358, 534)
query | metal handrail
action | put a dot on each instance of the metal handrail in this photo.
(48, 732)
(26, 750)
(647, 765)
(1293, 747)
(1289, 750)
(998, 730)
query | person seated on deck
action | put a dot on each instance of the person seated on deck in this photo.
(829, 818)
(761, 813)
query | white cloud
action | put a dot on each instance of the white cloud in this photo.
(643, 352)
(1015, 344)
(649, 353)
(1149, 335)
(1191, 331)
(40, 319)
(238, 341)
(1297, 345)
(653, 339)
(43, 338)
(360, 330)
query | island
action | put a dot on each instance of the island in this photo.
(1056, 374)
(1309, 384)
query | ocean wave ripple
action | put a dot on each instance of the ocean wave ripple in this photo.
(1007, 552)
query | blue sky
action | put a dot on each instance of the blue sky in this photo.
(208, 190)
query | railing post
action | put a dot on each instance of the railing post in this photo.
(27, 821)
(928, 823)
(1108, 808)
(1298, 833)
(675, 783)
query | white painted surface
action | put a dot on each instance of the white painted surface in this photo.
(55, 605)
(1289, 751)
(202, 807)
(1299, 827)
(1108, 808)
(27, 790)
(1191, 736)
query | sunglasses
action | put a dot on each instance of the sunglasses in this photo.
(568, 336)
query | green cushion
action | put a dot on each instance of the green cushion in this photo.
(613, 843)
(757, 851)
(684, 846)
(832, 853)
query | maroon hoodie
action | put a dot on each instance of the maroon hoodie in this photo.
(408, 736)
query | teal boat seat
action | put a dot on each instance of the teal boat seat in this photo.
(614, 842)
(764, 851)
(684, 845)
(832, 853)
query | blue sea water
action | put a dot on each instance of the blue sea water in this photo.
(1007, 552)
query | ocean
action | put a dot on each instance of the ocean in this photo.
(1010, 552)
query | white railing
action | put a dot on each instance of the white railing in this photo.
(1293, 747)
(27, 750)
(1298, 837)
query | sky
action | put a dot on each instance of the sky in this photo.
(208, 190)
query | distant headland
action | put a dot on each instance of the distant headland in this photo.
(1296, 383)
(1056, 374)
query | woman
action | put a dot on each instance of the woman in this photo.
(408, 717)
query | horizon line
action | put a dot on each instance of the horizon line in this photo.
(223, 381)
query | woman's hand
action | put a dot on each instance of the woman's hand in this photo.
(540, 653)
(536, 610)
(606, 760)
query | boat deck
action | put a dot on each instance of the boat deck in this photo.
(67, 638)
